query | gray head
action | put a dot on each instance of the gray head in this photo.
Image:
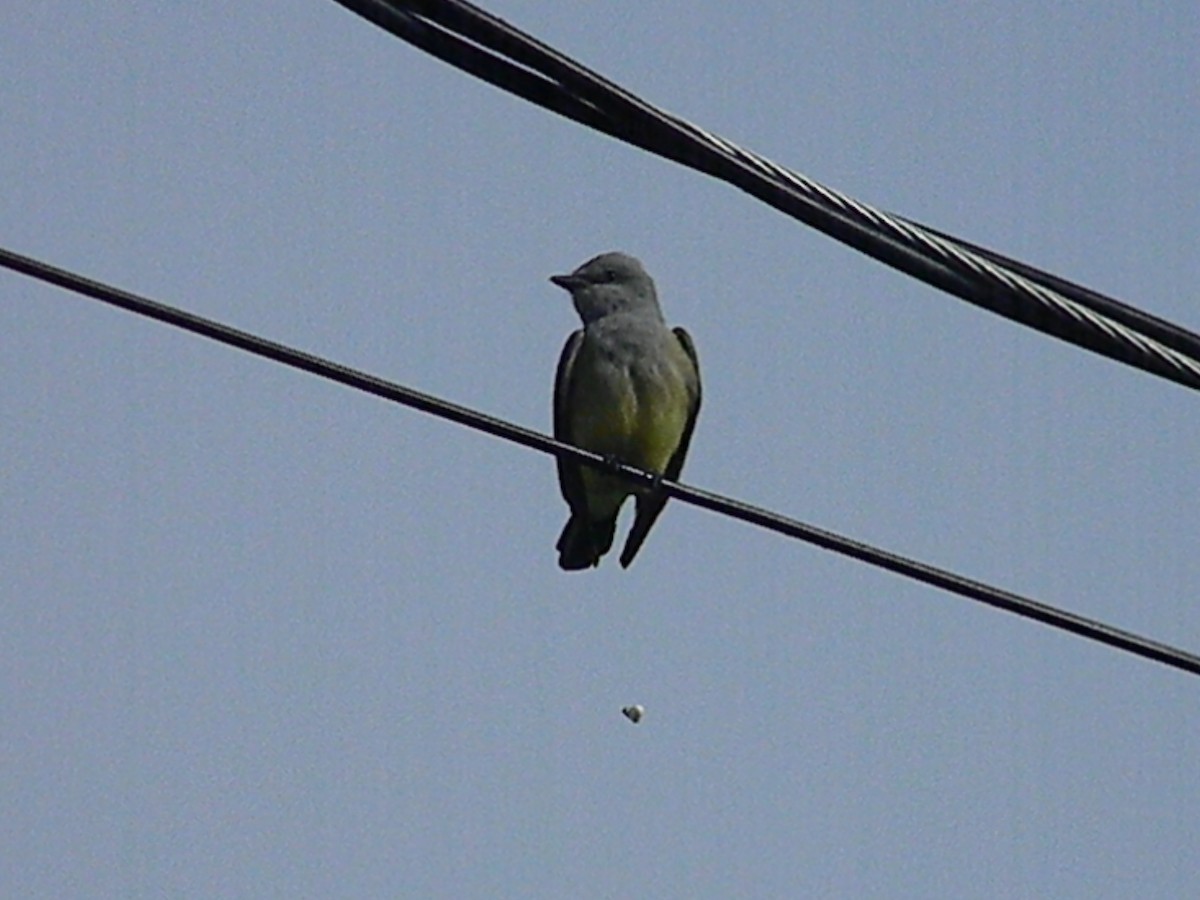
(610, 283)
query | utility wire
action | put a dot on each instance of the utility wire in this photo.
(495, 51)
(1167, 333)
(956, 584)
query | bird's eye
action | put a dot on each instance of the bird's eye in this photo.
(608, 275)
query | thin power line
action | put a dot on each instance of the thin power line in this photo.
(964, 587)
(514, 61)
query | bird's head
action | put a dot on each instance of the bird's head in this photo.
(609, 283)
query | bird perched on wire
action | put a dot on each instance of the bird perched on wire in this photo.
(628, 387)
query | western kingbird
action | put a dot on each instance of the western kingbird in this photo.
(628, 387)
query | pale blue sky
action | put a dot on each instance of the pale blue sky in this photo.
(264, 636)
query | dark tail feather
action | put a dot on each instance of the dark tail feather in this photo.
(648, 508)
(583, 542)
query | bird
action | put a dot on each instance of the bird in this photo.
(627, 388)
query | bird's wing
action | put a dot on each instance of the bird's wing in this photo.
(675, 466)
(650, 505)
(570, 476)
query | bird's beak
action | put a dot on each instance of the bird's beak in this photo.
(568, 282)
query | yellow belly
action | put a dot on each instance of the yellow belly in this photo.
(640, 427)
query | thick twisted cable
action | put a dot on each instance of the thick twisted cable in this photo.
(974, 274)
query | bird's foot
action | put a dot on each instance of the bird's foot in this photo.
(613, 463)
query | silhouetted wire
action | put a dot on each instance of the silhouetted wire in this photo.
(537, 72)
(965, 587)
(1167, 333)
